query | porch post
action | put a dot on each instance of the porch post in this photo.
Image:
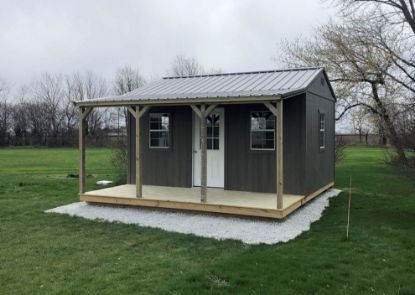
(137, 113)
(279, 152)
(203, 146)
(279, 155)
(83, 113)
(202, 113)
(138, 182)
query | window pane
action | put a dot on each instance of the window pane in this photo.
(215, 119)
(269, 135)
(216, 143)
(262, 130)
(322, 131)
(269, 144)
(159, 130)
(209, 131)
(154, 125)
(159, 121)
(209, 144)
(262, 121)
(270, 123)
(216, 131)
(159, 139)
(165, 122)
(262, 140)
(257, 140)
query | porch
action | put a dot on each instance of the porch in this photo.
(192, 132)
(218, 201)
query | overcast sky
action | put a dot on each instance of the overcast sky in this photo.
(68, 36)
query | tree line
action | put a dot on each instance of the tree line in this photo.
(368, 51)
(44, 114)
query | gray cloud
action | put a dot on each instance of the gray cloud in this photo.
(68, 36)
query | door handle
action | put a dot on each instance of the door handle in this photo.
(195, 151)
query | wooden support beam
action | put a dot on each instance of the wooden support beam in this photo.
(210, 109)
(138, 180)
(132, 111)
(279, 157)
(196, 110)
(203, 156)
(137, 113)
(85, 112)
(82, 116)
(143, 111)
(271, 108)
(202, 113)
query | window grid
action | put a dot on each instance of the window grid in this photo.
(159, 130)
(262, 131)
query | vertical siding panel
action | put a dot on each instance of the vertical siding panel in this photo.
(319, 164)
(171, 167)
(249, 170)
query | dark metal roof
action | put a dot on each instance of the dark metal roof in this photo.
(276, 83)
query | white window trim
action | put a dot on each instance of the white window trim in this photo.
(158, 130)
(262, 130)
(322, 131)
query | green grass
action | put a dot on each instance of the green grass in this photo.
(56, 254)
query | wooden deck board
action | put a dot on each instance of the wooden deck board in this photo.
(218, 200)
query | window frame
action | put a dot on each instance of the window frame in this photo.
(322, 131)
(159, 130)
(264, 130)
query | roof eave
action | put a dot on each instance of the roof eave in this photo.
(179, 101)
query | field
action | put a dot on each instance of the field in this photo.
(55, 254)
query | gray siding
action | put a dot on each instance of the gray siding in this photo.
(306, 168)
(319, 164)
(320, 86)
(251, 170)
(171, 167)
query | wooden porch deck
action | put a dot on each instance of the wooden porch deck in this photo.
(218, 200)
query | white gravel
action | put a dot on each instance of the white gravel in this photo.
(247, 230)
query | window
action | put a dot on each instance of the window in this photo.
(322, 131)
(212, 125)
(262, 131)
(159, 130)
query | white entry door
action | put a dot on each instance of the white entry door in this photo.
(215, 149)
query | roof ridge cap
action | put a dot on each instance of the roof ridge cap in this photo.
(246, 73)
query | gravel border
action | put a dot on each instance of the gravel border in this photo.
(220, 227)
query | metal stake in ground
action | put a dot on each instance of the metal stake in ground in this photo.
(348, 210)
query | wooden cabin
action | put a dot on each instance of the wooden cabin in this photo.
(251, 143)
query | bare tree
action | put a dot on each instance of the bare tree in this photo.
(397, 12)
(5, 112)
(48, 93)
(127, 79)
(358, 68)
(87, 86)
(28, 119)
(70, 112)
(360, 119)
(393, 33)
(183, 66)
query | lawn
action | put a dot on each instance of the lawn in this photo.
(55, 254)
